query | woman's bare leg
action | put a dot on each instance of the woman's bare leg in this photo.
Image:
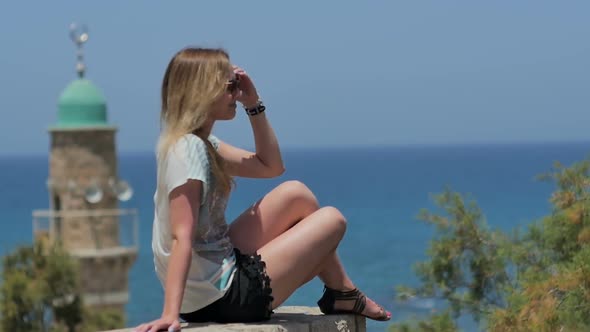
(274, 214)
(277, 214)
(271, 216)
(332, 273)
(294, 255)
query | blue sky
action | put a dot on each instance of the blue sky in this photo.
(333, 73)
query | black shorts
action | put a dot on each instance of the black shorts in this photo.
(248, 298)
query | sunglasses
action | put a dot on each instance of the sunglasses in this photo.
(232, 85)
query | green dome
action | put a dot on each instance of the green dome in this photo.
(81, 104)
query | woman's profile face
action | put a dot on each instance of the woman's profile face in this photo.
(225, 107)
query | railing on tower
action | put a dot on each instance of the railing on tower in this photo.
(89, 233)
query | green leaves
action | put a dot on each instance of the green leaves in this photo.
(465, 266)
(40, 292)
(535, 281)
(32, 281)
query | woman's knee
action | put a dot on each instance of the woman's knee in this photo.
(299, 194)
(334, 218)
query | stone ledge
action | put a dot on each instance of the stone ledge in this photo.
(291, 319)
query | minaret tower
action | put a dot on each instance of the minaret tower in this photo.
(85, 190)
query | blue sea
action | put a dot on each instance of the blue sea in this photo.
(380, 190)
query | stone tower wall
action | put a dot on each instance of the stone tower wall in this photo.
(85, 157)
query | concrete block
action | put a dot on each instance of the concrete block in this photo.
(286, 319)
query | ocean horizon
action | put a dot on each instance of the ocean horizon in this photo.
(384, 146)
(380, 189)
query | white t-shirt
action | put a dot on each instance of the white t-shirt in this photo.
(213, 260)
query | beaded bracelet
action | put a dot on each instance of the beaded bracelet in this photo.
(259, 108)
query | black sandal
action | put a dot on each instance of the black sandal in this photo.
(326, 303)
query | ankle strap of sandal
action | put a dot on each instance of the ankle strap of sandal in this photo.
(359, 297)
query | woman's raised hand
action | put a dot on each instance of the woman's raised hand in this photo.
(248, 95)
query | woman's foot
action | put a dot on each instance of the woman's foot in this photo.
(351, 301)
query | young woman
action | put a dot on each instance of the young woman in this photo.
(212, 271)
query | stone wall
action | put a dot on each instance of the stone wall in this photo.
(291, 319)
(83, 158)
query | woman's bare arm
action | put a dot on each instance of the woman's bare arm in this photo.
(266, 162)
(184, 213)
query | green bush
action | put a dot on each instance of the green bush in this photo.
(40, 292)
(536, 280)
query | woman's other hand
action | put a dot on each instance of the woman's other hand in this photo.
(248, 95)
(163, 324)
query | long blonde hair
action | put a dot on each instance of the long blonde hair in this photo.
(195, 78)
